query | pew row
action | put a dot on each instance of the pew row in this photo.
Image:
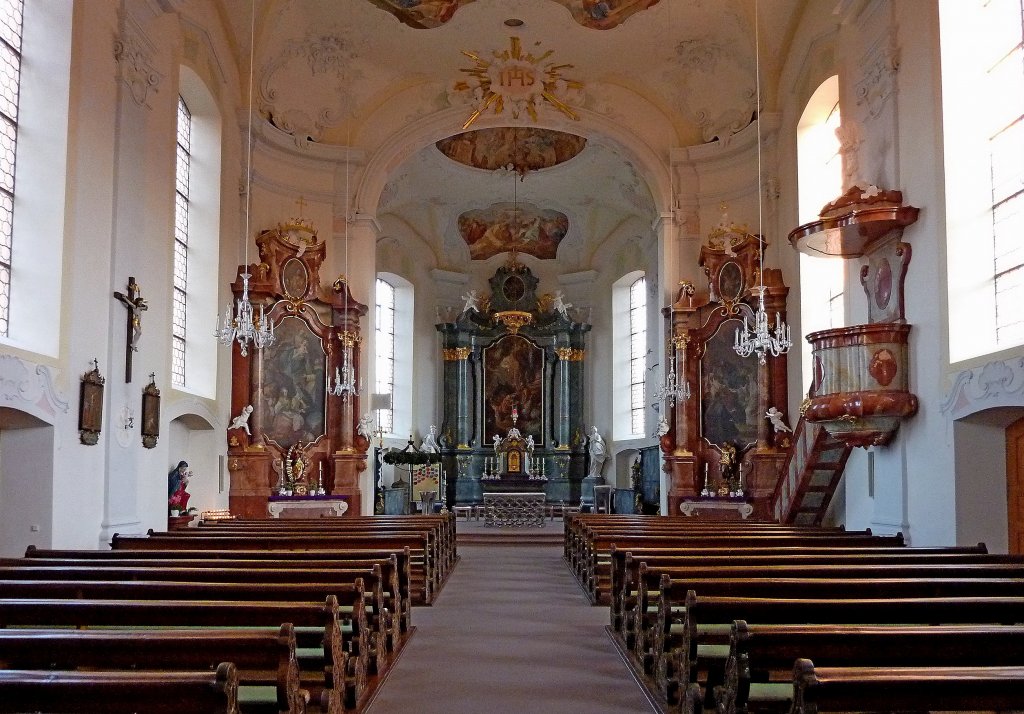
(203, 692)
(266, 660)
(339, 681)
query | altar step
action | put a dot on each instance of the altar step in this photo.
(476, 533)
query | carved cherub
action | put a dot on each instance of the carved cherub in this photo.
(471, 301)
(775, 417)
(242, 420)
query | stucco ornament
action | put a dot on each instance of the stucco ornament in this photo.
(717, 86)
(304, 90)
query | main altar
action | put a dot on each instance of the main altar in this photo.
(513, 384)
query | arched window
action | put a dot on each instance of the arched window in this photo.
(35, 66)
(181, 208)
(196, 237)
(393, 368)
(982, 47)
(629, 354)
(384, 340)
(820, 179)
(11, 13)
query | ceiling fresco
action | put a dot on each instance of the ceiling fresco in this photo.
(595, 14)
(523, 148)
(504, 227)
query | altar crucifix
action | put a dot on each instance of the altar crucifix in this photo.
(135, 304)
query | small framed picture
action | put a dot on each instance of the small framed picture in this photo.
(150, 413)
(90, 406)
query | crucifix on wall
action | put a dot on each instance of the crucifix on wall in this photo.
(135, 304)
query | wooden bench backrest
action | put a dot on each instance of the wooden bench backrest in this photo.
(121, 692)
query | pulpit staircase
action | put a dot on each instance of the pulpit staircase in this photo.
(810, 475)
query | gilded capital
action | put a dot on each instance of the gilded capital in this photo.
(349, 339)
(570, 354)
(680, 341)
(454, 354)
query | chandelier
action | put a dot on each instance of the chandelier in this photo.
(673, 389)
(760, 338)
(345, 376)
(245, 327)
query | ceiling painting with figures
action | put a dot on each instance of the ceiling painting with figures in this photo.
(290, 404)
(505, 226)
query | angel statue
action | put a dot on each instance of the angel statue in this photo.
(365, 426)
(242, 420)
(775, 417)
(471, 301)
(560, 305)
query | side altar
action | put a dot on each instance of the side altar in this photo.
(513, 392)
(295, 435)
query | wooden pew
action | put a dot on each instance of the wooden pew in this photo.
(379, 606)
(424, 576)
(759, 669)
(706, 625)
(601, 545)
(365, 645)
(247, 558)
(436, 553)
(844, 689)
(443, 524)
(824, 580)
(624, 565)
(213, 692)
(260, 657)
(341, 680)
(655, 646)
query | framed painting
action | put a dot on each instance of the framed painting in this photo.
(289, 382)
(150, 413)
(90, 406)
(513, 377)
(728, 385)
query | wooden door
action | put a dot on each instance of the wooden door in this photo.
(1015, 485)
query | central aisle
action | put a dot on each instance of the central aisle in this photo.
(510, 632)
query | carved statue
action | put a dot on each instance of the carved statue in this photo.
(430, 444)
(471, 301)
(560, 305)
(598, 452)
(177, 480)
(365, 426)
(775, 417)
(242, 420)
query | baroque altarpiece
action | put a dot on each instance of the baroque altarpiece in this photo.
(301, 435)
(513, 369)
(718, 443)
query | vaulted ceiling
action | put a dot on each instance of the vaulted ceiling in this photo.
(369, 73)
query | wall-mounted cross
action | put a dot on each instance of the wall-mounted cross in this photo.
(301, 203)
(135, 304)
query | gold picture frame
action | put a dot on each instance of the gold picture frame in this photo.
(150, 413)
(90, 406)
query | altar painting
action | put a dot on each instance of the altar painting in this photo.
(513, 372)
(504, 227)
(289, 385)
(728, 386)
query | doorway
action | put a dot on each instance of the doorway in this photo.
(1015, 485)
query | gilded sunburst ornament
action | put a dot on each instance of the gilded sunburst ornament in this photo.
(516, 80)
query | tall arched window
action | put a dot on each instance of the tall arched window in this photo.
(820, 179)
(637, 354)
(181, 208)
(384, 340)
(35, 42)
(629, 356)
(982, 46)
(393, 368)
(196, 237)
(11, 12)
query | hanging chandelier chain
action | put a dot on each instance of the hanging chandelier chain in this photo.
(760, 338)
(244, 327)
